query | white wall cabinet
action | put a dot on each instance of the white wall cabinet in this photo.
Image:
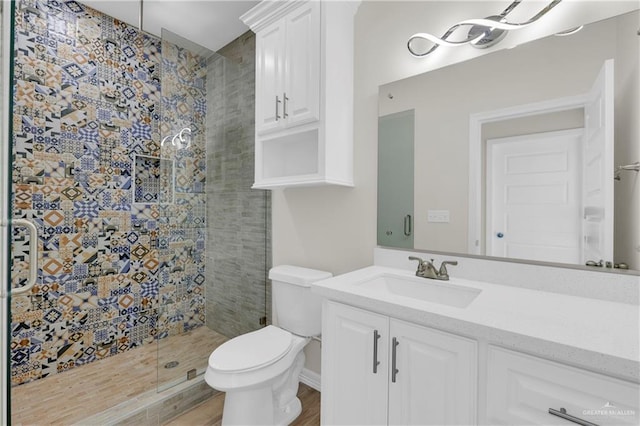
(288, 70)
(304, 92)
(380, 370)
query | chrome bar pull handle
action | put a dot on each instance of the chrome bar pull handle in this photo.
(376, 363)
(394, 370)
(278, 108)
(562, 413)
(33, 255)
(284, 106)
(407, 225)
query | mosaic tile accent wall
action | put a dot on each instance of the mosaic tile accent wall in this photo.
(89, 94)
(239, 218)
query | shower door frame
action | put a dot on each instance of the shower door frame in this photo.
(5, 59)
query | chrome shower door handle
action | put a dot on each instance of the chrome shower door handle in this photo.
(394, 370)
(407, 225)
(33, 255)
(376, 363)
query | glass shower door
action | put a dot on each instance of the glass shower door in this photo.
(4, 201)
(181, 225)
(212, 231)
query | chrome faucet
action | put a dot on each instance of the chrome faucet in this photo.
(426, 269)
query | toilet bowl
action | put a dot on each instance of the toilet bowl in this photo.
(256, 384)
(259, 371)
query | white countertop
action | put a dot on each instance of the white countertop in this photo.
(596, 334)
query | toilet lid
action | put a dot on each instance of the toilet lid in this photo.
(251, 350)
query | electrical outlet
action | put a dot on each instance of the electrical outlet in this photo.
(438, 216)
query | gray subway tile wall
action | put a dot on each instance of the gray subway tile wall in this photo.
(238, 217)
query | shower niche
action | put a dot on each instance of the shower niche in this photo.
(153, 180)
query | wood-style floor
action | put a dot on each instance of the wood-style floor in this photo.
(209, 413)
(69, 397)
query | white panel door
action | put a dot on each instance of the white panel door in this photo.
(436, 379)
(352, 392)
(302, 82)
(269, 77)
(534, 196)
(598, 168)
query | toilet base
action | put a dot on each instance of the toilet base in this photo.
(288, 414)
(275, 403)
(248, 407)
(261, 412)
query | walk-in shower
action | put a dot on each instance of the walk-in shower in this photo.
(132, 155)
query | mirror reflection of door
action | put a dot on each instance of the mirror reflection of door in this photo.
(549, 196)
(534, 196)
(598, 169)
(395, 179)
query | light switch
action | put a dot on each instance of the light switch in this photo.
(438, 216)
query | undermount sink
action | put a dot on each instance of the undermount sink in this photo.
(442, 292)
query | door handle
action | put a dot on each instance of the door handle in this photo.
(407, 225)
(284, 106)
(278, 108)
(394, 370)
(376, 363)
(562, 413)
(33, 256)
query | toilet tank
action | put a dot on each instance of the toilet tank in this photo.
(297, 308)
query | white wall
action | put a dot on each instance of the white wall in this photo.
(334, 229)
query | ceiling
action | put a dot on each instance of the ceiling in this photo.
(209, 23)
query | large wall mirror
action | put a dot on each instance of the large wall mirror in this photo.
(516, 154)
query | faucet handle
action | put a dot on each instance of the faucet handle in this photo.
(443, 273)
(420, 265)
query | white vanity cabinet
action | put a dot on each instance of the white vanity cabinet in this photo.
(522, 388)
(380, 370)
(304, 92)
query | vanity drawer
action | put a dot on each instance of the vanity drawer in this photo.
(521, 389)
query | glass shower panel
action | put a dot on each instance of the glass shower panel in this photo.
(212, 243)
(176, 183)
(238, 299)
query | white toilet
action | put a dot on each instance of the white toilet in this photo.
(259, 370)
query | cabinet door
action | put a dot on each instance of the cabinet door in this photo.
(436, 378)
(351, 392)
(270, 53)
(302, 75)
(521, 389)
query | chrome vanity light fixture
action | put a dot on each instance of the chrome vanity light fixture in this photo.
(482, 34)
(570, 31)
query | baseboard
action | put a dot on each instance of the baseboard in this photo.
(310, 378)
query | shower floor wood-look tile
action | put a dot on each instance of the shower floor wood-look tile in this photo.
(69, 397)
(209, 413)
